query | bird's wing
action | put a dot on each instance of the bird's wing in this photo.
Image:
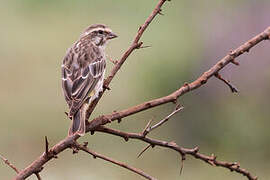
(78, 82)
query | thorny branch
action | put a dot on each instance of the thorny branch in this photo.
(187, 87)
(99, 122)
(97, 155)
(212, 160)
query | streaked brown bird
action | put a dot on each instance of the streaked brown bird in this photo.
(83, 72)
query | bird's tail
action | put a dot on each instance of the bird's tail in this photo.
(78, 124)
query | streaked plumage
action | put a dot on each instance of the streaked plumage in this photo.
(83, 72)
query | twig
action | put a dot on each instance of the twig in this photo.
(162, 121)
(97, 155)
(9, 164)
(231, 86)
(183, 151)
(144, 132)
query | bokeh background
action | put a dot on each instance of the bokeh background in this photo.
(190, 38)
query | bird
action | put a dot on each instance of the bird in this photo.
(83, 71)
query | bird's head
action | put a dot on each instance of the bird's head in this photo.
(98, 34)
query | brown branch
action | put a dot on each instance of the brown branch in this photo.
(102, 120)
(97, 155)
(212, 160)
(9, 164)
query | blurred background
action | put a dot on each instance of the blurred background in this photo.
(186, 41)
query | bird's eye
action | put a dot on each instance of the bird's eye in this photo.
(100, 32)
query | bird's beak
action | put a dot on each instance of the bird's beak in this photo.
(112, 35)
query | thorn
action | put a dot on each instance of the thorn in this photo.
(106, 87)
(146, 128)
(182, 163)
(143, 150)
(211, 163)
(138, 45)
(66, 113)
(106, 119)
(119, 120)
(175, 101)
(234, 62)
(85, 144)
(75, 150)
(46, 146)
(38, 175)
(126, 138)
(145, 47)
(196, 149)
(140, 28)
(159, 12)
(231, 86)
